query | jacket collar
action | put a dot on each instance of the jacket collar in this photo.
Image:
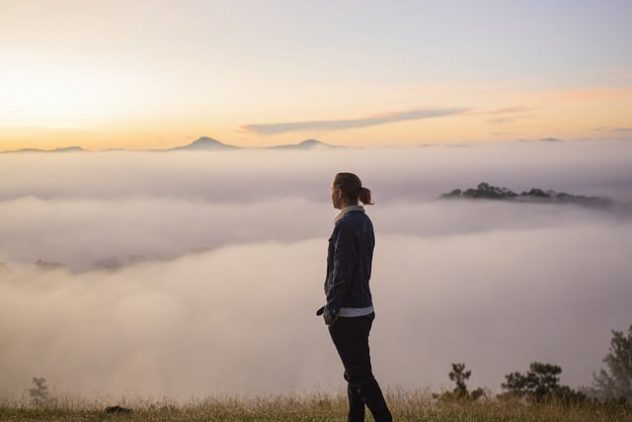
(348, 209)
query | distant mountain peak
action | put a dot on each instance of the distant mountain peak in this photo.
(205, 140)
(311, 143)
(306, 144)
(73, 148)
(205, 143)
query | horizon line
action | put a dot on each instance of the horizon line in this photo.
(297, 146)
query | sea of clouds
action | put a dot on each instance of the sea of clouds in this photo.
(189, 273)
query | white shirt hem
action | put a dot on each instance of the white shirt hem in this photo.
(355, 312)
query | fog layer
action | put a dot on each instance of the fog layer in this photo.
(197, 273)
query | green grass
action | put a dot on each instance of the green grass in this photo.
(405, 405)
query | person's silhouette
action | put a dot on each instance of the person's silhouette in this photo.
(349, 312)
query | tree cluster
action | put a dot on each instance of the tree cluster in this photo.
(541, 383)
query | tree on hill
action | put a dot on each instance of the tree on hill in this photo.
(459, 375)
(540, 384)
(39, 393)
(615, 382)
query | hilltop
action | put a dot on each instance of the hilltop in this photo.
(63, 149)
(306, 144)
(203, 143)
(487, 191)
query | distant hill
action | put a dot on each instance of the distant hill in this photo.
(64, 149)
(68, 149)
(204, 143)
(487, 191)
(306, 144)
(549, 139)
(209, 144)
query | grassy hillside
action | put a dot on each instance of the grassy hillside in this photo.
(406, 406)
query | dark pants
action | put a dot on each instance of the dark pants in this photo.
(351, 337)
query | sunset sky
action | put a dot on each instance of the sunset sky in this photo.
(154, 74)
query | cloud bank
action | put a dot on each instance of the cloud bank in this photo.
(199, 273)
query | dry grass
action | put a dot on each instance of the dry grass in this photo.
(405, 405)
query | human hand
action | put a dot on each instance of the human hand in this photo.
(329, 319)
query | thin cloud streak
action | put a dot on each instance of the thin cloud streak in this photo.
(614, 129)
(519, 110)
(341, 124)
(510, 110)
(501, 120)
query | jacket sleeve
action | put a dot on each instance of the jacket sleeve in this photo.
(344, 262)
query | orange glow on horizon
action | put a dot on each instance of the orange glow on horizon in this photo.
(499, 115)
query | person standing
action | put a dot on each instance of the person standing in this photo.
(349, 312)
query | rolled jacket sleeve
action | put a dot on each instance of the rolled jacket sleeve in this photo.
(345, 259)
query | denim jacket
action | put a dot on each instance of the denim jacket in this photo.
(349, 262)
